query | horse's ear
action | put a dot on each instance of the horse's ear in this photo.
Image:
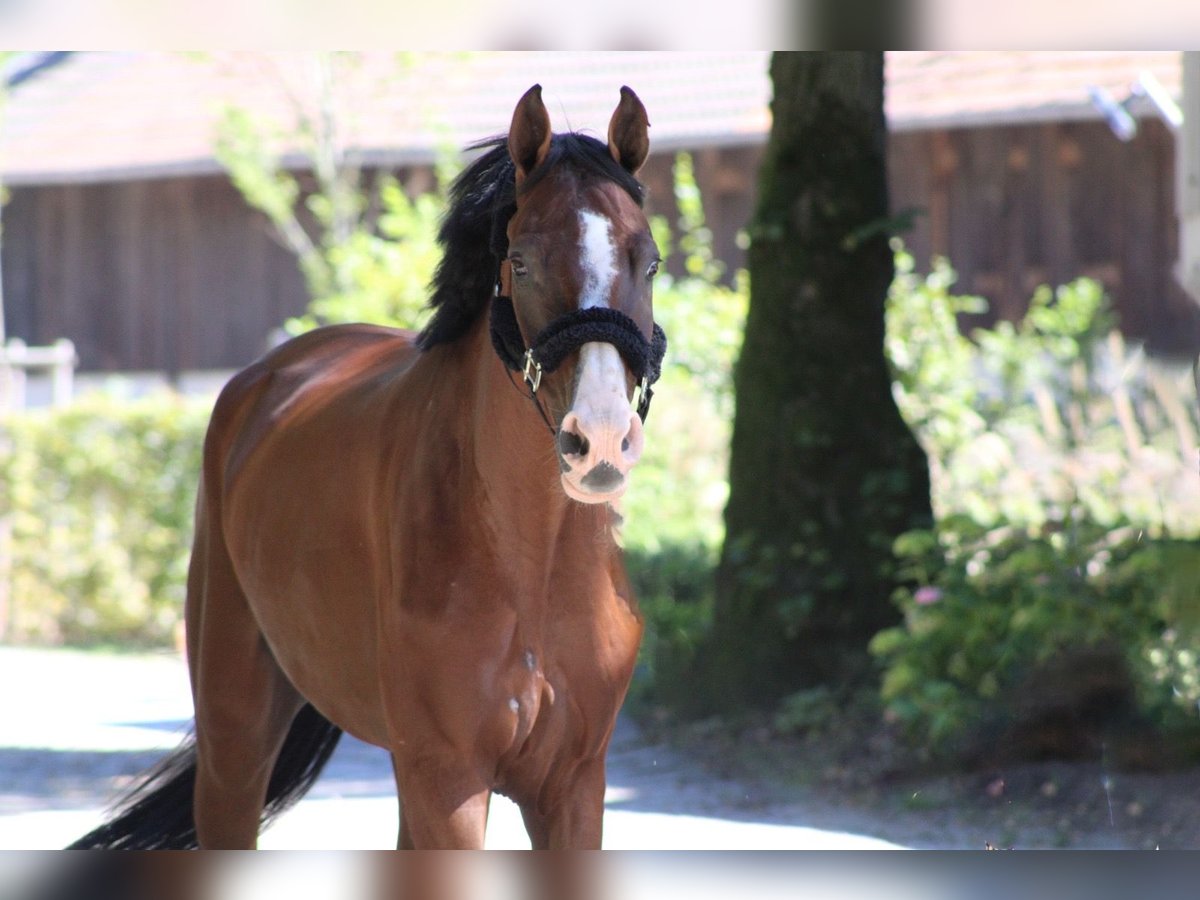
(628, 140)
(529, 134)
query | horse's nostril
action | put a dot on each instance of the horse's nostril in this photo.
(572, 444)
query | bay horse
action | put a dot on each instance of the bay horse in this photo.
(390, 541)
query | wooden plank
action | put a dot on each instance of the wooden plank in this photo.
(910, 190)
(58, 249)
(209, 268)
(1060, 156)
(985, 184)
(1017, 213)
(110, 313)
(143, 339)
(19, 266)
(1173, 326)
(162, 276)
(285, 283)
(244, 303)
(721, 177)
(944, 164)
(1141, 228)
(962, 247)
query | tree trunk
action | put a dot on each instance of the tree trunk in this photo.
(824, 474)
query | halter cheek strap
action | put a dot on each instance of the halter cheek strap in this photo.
(568, 333)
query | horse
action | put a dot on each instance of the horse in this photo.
(393, 541)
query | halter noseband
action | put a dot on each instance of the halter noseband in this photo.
(568, 333)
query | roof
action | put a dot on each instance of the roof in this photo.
(98, 116)
(106, 115)
(957, 89)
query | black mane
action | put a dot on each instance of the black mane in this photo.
(472, 233)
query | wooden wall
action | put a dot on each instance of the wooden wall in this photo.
(1019, 206)
(163, 274)
(178, 274)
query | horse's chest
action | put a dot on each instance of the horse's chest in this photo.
(564, 700)
(547, 719)
(533, 699)
(522, 693)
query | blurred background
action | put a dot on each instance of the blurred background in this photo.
(920, 491)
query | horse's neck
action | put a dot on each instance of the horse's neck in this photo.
(517, 482)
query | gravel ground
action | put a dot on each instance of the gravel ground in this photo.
(75, 726)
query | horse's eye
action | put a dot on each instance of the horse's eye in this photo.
(518, 267)
(653, 270)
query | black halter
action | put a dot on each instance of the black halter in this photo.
(568, 333)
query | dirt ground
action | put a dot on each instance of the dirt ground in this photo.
(859, 776)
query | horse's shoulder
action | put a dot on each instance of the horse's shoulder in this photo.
(326, 360)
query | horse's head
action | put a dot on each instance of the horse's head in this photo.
(579, 241)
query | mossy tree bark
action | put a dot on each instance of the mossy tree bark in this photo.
(824, 473)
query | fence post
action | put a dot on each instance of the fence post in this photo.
(63, 377)
(59, 359)
(15, 354)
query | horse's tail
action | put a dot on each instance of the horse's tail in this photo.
(157, 813)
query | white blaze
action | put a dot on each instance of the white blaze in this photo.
(600, 396)
(599, 259)
(600, 400)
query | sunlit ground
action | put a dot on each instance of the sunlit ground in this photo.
(77, 723)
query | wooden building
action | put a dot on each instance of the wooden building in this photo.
(1018, 180)
(123, 234)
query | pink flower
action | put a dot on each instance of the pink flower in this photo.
(927, 595)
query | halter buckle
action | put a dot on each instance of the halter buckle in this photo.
(532, 372)
(645, 394)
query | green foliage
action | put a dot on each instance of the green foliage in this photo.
(99, 499)
(674, 587)
(1025, 423)
(383, 273)
(366, 249)
(1063, 482)
(994, 605)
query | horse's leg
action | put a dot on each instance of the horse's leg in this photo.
(404, 840)
(442, 806)
(575, 818)
(244, 703)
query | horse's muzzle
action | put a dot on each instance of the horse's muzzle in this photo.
(597, 456)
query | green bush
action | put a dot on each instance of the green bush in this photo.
(97, 500)
(994, 606)
(674, 587)
(1062, 465)
(1055, 416)
(365, 248)
(383, 272)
